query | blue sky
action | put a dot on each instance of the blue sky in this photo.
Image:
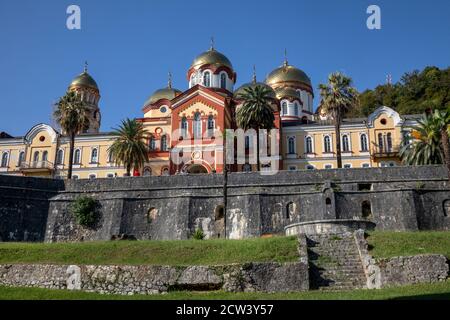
(131, 45)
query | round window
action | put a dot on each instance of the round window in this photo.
(41, 138)
(163, 109)
(383, 121)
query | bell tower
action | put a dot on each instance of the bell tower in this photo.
(87, 88)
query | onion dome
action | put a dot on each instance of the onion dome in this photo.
(211, 57)
(254, 84)
(287, 92)
(84, 80)
(168, 93)
(287, 73)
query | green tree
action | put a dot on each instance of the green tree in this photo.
(423, 146)
(71, 113)
(129, 148)
(443, 120)
(256, 112)
(338, 97)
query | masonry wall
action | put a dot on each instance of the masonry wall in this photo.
(399, 198)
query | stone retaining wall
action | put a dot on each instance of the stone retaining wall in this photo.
(249, 277)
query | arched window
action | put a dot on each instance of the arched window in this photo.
(327, 144)
(60, 157)
(363, 139)
(290, 210)
(389, 142)
(77, 157)
(165, 171)
(92, 176)
(291, 145)
(380, 142)
(284, 108)
(44, 156)
(223, 81)
(184, 127)
(147, 171)
(94, 155)
(295, 109)
(247, 167)
(197, 125)
(207, 79)
(164, 143)
(211, 125)
(308, 145)
(5, 156)
(345, 143)
(36, 156)
(21, 157)
(152, 144)
(110, 157)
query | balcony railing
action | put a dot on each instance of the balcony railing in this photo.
(385, 152)
(36, 165)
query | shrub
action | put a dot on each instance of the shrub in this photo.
(198, 234)
(85, 211)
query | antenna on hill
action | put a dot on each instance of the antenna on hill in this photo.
(389, 79)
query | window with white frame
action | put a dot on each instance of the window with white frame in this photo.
(292, 168)
(345, 143)
(327, 144)
(389, 142)
(207, 79)
(21, 158)
(296, 109)
(363, 142)
(310, 167)
(328, 166)
(164, 143)
(75, 177)
(184, 127)
(147, 172)
(284, 108)
(291, 145)
(223, 80)
(110, 175)
(60, 157)
(5, 158)
(210, 125)
(347, 166)
(45, 156)
(152, 143)
(94, 155)
(308, 145)
(197, 126)
(92, 176)
(36, 156)
(77, 156)
(365, 165)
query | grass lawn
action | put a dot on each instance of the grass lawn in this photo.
(424, 291)
(186, 252)
(391, 244)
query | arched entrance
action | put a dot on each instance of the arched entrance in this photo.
(196, 169)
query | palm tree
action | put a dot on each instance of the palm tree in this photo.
(71, 113)
(129, 148)
(429, 143)
(423, 147)
(337, 98)
(255, 112)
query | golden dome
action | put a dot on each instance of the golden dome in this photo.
(287, 92)
(241, 89)
(84, 80)
(287, 73)
(166, 93)
(211, 57)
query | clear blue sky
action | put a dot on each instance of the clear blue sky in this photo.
(131, 45)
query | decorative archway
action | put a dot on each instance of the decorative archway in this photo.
(196, 168)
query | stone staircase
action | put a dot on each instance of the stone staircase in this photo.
(334, 262)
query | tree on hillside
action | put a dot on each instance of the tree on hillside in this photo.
(71, 113)
(129, 148)
(413, 94)
(255, 112)
(338, 97)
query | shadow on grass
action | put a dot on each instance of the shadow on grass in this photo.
(431, 296)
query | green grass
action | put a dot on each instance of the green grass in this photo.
(391, 244)
(175, 253)
(439, 290)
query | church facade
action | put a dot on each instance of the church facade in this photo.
(185, 129)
